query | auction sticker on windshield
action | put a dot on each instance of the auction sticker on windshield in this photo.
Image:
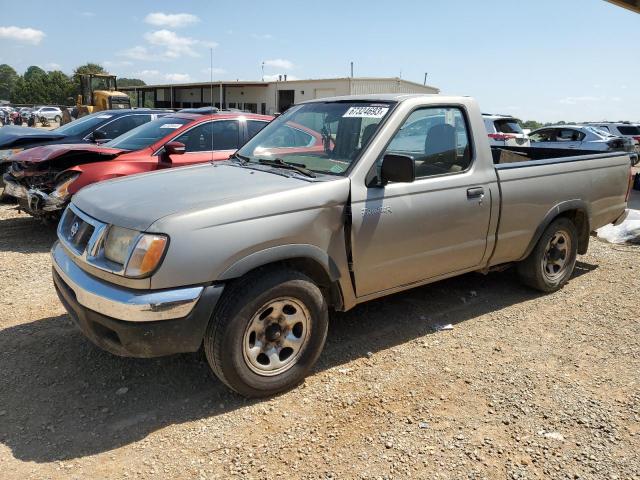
(366, 112)
(171, 125)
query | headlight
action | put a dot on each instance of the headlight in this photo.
(139, 253)
(4, 154)
(146, 255)
(61, 192)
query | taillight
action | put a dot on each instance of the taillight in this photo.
(637, 139)
(501, 137)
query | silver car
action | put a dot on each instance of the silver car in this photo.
(579, 137)
(50, 113)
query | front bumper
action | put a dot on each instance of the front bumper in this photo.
(133, 323)
(37, 201)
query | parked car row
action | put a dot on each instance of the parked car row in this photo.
(43, 178)
(506, 131)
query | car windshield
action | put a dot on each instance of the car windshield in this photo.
(147, 134)
(83, 124)
(324, 137)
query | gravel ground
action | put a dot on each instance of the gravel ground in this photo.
(523, 386)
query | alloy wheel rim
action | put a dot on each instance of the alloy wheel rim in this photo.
(556, 256)
(276, 336)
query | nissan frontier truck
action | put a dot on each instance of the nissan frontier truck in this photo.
(245, 258)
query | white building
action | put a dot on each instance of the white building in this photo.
(265, 97)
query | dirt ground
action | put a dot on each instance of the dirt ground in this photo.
(523, 386)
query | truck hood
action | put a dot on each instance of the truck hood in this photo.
(139, 201)
(12, 136)
(50, 152)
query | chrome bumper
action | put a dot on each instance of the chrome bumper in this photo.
(123, 303)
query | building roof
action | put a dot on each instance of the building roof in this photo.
(253, 83)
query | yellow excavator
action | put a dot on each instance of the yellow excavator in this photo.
(99, 91)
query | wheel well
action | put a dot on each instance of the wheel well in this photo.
(581, 221)
(312, 269)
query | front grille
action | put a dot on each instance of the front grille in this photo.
(75, 232)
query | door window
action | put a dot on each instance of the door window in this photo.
(569, 135)
(254, 126)
(219, 135)
(544, 136)
(437, 139)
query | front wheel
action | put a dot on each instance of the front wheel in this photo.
(267, 332)
(550, 265)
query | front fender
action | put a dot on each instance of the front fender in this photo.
(280, 253)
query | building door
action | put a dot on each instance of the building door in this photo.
(285, 100)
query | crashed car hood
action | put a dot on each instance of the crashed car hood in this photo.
(50, 152)
(15, 136)
(139, 201)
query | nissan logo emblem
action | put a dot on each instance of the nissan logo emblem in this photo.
(74, 229)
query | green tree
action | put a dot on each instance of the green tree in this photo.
(87, 68)
(8, 79)
(60, 88)
(130, 82)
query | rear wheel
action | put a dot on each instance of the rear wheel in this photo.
(267, 333)
(552, 261)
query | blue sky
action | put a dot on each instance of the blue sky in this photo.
(547, 60)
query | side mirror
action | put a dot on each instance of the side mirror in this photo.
(397, 168)
(175, 148)
(98, 135)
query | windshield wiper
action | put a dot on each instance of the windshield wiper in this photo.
(242, 158)
(298, 167)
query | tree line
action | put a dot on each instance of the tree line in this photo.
(39, 87)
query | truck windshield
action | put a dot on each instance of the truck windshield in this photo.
(147, 134)
(324, 137)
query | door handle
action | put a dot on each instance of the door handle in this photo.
(477, 192)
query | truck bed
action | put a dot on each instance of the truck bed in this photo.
(531, 180)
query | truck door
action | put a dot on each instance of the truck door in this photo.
(404, 233)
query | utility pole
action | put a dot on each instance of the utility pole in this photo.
(211, 77)
(425, 78)
(263, 71)
(351, 69)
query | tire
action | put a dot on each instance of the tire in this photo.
(551, 263)
(57, 119)
(262, 313)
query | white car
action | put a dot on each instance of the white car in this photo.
(50, 113)
(505, 131)
(621, 129)
(579, 137)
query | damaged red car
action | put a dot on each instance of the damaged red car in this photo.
(43, 179)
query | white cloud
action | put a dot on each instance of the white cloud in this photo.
(176, 46)
(111, 63)
(279, 63)
(88, 14)
(136, 53)
(263, 36)
(173, 20)
(273, 78)
(53, 66)
(177, 77)
(24, 35)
